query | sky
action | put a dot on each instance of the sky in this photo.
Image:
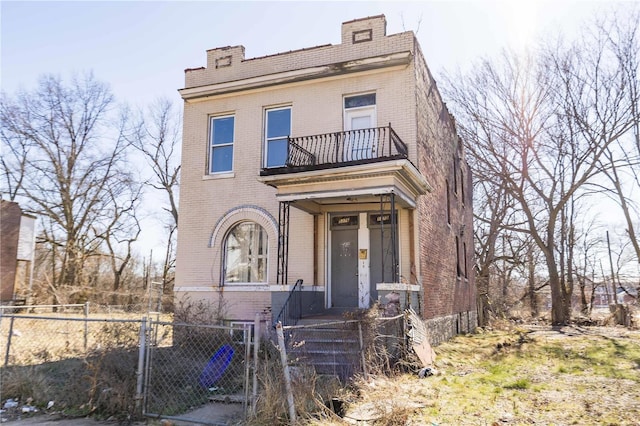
(141, 48)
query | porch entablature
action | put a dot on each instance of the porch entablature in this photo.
(357, 184)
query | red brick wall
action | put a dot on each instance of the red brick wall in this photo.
(439, 148)
(10, 214)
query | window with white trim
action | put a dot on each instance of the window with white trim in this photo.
(277, 130)
(245, 254)
(221, 144)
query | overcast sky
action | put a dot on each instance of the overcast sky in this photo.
(142, 48)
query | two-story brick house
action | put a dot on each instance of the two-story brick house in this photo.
(338, 165)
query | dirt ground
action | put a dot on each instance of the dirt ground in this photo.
(55, 420)
(217, 413)
(520, 376)
(231, 415)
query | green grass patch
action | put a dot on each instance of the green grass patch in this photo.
(520, 384)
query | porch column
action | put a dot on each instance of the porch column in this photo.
(283, 243)
(363, 263)
(395, 273)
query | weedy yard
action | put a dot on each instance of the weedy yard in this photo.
(532, 375)
(512, 376)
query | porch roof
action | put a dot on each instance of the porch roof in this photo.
(356, 184)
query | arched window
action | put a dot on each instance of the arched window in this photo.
(245, 254)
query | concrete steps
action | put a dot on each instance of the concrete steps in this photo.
(331, 346)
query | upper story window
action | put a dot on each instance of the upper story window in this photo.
(455, 176)
(464, 258)
(448, 195)
(458, 263)
(277, 130)
(245, 254)
(221, 145)
(359, 101)
(462, 186)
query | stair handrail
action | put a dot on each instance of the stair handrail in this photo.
(284, 315)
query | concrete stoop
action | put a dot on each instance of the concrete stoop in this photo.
(330, 346)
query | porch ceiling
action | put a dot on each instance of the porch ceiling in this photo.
(356, 184)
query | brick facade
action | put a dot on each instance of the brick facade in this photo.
(448, 214)
(314, 82)
(10, 214)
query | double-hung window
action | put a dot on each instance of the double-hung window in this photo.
(277, 130)
(221, 144)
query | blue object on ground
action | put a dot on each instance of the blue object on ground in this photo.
(216, 366)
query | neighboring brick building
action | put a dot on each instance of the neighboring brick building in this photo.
(355, 137)
(17, 245)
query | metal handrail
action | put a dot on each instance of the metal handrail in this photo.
(293, 302)
(341, 149)
(344, 147)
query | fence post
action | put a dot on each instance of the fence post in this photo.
(139, 373)
(256, 350)
(6, 357)
(246, 331)
(287, 375)
(86, 325)
(364, 364)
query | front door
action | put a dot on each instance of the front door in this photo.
(383, 260)
(344, 261)
(360, 122)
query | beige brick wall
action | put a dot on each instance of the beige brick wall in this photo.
(209, 205)
(232, 65)
(316, 108)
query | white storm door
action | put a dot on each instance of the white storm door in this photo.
(361, 138)
(360, 142)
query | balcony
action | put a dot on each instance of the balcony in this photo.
(351, 167)
(340, 149)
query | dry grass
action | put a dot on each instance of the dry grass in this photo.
(39, 340)
(85, 368)
(571, 375)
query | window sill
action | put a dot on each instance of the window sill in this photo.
(289, 287)
(223, 175)
(245, 287)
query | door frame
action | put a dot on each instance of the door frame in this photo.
(364, 264)
(329, 248)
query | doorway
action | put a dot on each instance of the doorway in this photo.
(384, 259)
(344, 260)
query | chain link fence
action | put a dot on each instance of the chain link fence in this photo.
(198, 373)
(79, 365)
(68, 363)
(109, 366)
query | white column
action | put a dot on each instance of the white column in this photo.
(363, 263)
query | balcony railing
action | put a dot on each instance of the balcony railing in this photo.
(340, 149)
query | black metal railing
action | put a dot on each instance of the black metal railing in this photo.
(291, 311)
(341, 149)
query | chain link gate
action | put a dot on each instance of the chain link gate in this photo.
(196, 373)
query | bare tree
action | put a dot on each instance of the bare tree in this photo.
(491, 209)
(68, 163)
(540, 126)
(158, 137)
(619, 33)
(123, 229)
